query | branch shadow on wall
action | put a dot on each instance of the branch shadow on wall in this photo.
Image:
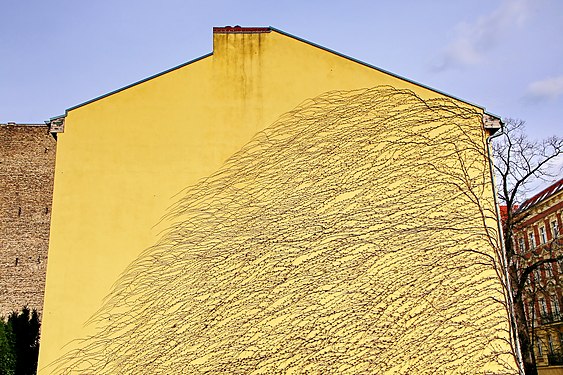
(350, 236)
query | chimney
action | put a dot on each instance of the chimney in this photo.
(229, 37)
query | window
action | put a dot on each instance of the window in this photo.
(550, 342)
(531, 312)
(532, 240)
(548, 271)
(540, 351)
(555, 306)
(521, 244)
(543, 306)
(555, 229)
(543, 236)
(537, 275)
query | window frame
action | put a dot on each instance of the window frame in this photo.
(543, 235)
(532, 240)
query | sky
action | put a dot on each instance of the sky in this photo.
(504, 55)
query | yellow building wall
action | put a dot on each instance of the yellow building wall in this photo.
(124, 159)
(555, 370)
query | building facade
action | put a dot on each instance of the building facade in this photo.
(27, 165)
(538, 237)
(274, 207)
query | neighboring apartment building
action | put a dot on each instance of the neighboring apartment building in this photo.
(27, 165)
(538, 236)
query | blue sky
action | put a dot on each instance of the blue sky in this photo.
(505, 55)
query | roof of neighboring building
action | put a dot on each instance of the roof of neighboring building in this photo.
(503, 212)
(542, 195)
(18, 124)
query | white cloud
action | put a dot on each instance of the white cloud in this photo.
(474, 40)
(549, 88)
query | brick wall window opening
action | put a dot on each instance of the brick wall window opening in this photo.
(531, 311)
(555, 306)
(548, 272)
(540, 349)
(543, 307)
(550, 343)
(532, 240)
(543, 235)
(521, 245)
(555, 229)
(537, 276)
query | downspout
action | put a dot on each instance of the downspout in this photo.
(514, 328)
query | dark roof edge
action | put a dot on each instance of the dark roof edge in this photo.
(375, 67)
(20, 124)
(59, 116)
(291, 36)
(135, 83)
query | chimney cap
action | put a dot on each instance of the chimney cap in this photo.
(240, 30)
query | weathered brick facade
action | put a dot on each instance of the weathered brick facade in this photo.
(27, 163)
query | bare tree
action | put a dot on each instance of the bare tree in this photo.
(519, 163)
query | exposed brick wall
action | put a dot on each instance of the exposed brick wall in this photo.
(27, 164)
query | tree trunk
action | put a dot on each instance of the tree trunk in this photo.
(525, 342)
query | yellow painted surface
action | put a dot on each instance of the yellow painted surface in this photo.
(554, 370)
(123, 159)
